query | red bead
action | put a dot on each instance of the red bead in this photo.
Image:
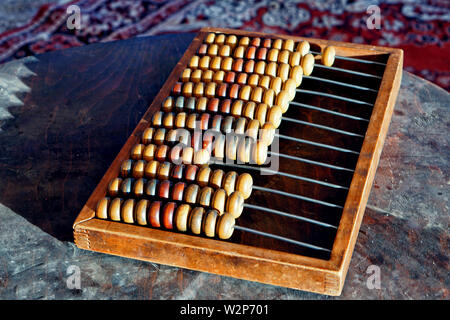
(237, 65)
(178, 190)
(164, 189)
(261, 54)
(161, 152)
(225, 106)
(213, 105)
(250, 52)
(154, 214)
(177, 171)
(167, 215)
(229, 77)
(177, 88)
(242, 78)
(255, 42)
(234, 91)
(204, 121)
(222, 90)
(191, 172)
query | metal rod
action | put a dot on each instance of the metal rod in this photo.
(282, 155)
(291, 195)
(348, 71)
(354, 59)
(269, 235)
(322, 127)
(344, 84)
(315, 143)
(344, 115)
(289, 215)
(333, 96)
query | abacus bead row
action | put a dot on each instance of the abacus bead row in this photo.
(179, 191)
(169, 215)
(237, 108)
(203, 176)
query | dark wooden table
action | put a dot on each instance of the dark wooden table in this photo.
(66, 114)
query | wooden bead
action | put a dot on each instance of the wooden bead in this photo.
(231, 40)
(126, 186)
(259, 153)
(125, 167)
(191, 193)
(225, 51)
(328, 56)
(177, 88)
(260, 67)
(249, 110)
(147, 135)
(274, 116)
(235, 204)
(101, 211)
(244, 41)
(239, 125)
(283, 100)
(225, 226)
(307, 64)
(215, 63)
(261, 113)
(167, 215)
(252, 129)
(178, 191)
(284, 56)
(276, 84)
(164, 170)
(296, 74)
(267, 43)
(202, 102)
(136, 151)
(267, 133)
(187, 89)
(290, 86)
(201, 157)
(222, 90)
(253, 80)
(164, 189)
(154, 214)
(272, 55)
(244, 150)
(236, 108)
(168, 120)
(139, 187)
(204, 62)
(213, 49)
(196, 219)
(303, 47)
(209, 223)
(255, 42)
(216, 177)
(261, 54)
(234, 91)
(283, 71)
(151, 168)
(114, 187)
(277, 44)
(193, 63)
(231, 147)
(161, 152)
(141, 211)
(249, 66)
(159, 136)
(230, 77)
(227, 64)
(171, 137)
(191, 172)
(179, 103)
(175, 154)
(244, 93)
(210, 90)
(264, 82)
(207, 75)
(181, 217)
(202, 49)
(180, 120)
(185, 77)
(295, 59)
(196, 76)
(199, 90)
(191, 121)
(238, 65)
(218, 200)
(220, 39)
(288, 45)
(244, 185)
(269, 97)
(203, 176)
(177, 172)
(250, 52)
(168, 103)
(229, 182)
(151, 188)
(219, 147)
(239, 52)
(127, 211)
(210, 38)
(138, 169)
(204, 197)
(114, 209)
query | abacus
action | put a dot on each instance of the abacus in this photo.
(254, 161)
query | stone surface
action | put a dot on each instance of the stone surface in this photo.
(46, 179)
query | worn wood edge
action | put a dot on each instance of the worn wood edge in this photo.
(213, 256)
(363, 48)
(367, 165)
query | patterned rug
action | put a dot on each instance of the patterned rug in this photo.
(420, 27)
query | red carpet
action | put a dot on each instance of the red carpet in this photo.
(420, 27)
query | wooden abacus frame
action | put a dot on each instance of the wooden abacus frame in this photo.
(238, 260)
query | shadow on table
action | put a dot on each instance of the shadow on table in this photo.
(81, 106)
